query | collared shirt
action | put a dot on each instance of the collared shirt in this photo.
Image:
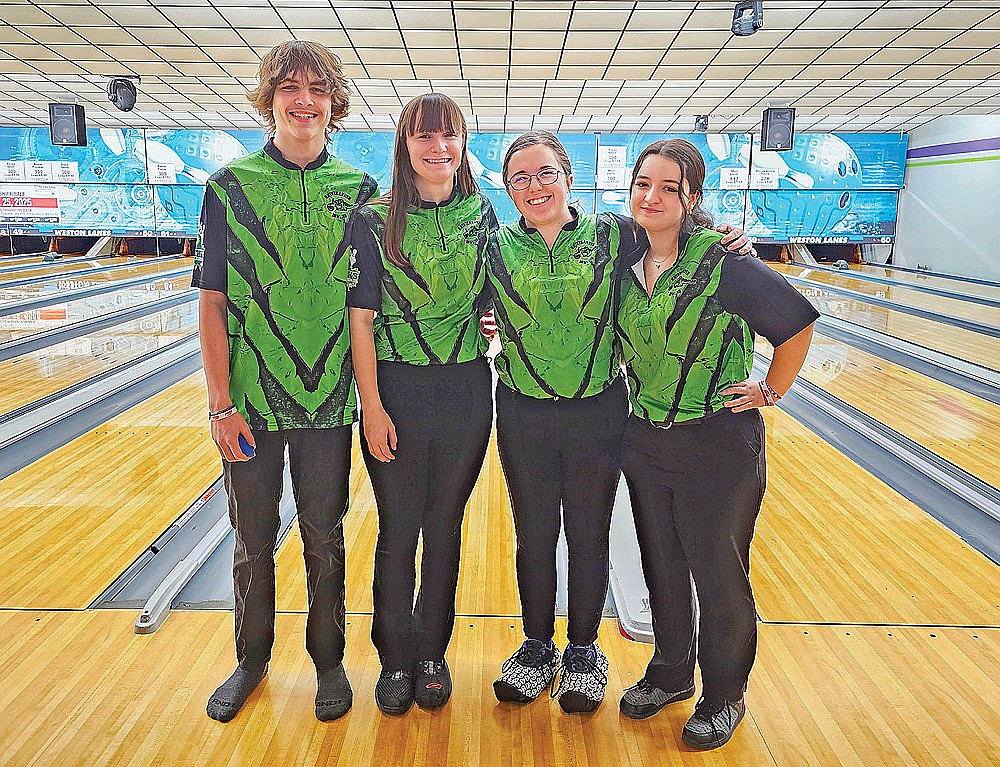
(271, 240)
(694, 336)
(554, 305)
(427, 313)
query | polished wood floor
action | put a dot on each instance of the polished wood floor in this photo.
(955, 425)
(20, 293)
(948, 307)
(81, 689)
(30, 377)
(957, 342)
(929, 279)
(879, 628)
(78, 517)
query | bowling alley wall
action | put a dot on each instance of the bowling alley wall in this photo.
(948, 211)
(829, 188)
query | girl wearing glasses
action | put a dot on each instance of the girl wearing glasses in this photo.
(694, 446)
(418, 261)
(561, 412)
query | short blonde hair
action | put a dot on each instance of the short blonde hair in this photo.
(300, 56)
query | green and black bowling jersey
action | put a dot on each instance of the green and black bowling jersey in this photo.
(427, 313)
(694, 337)
(271, 239)
(554, 306)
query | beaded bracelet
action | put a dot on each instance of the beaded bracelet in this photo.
(220, 414)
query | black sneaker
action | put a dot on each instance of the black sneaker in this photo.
(432, 683)
(582, 679)
(713, 723)
(643, 699)
(527, 672)
(394, 692)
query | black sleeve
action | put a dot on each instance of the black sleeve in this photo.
(488, 248)
(632, 241)
(763, 298)
(368, 190)
(363, 235)
(210, 268)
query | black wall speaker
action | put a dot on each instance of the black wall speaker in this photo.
(777, 129)
(67, 125)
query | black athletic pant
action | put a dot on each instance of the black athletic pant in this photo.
(443, 415)
(562, 453)
(320, 463)
(696, 492)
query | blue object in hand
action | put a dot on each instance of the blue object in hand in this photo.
(246, 447)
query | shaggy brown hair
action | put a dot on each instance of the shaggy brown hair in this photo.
(300, 57)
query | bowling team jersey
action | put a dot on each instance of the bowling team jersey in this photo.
(554, 306)
(427, 313)
(271, 239)
(695, 336)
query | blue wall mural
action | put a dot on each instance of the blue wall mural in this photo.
(827, 188)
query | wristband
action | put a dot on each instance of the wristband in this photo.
(220, 414)
(771, 397)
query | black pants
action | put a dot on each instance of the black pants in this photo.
(696, 492)
(563, 453)
(443, 415)
(320, 463)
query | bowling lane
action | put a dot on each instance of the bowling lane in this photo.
(930, 280)
(21, 259)
(37, 374)
(486, 584)
(834, 544)
(949, 307)
(20, 293)
(955, 425)
(957, 342)
(76, 518)
(21, 325)
(60, 267)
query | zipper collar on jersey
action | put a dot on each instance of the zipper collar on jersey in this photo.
(275, 154)
(425, 205)
(567, 227)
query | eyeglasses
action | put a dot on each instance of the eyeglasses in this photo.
(523, 180)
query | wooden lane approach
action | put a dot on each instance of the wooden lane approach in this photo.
(80, 688)
(79, 516)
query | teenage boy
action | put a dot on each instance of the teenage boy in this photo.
(273, 273)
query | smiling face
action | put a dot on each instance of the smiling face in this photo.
(660, 198)
(435, 155)
(301, 107)
(540, 204)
